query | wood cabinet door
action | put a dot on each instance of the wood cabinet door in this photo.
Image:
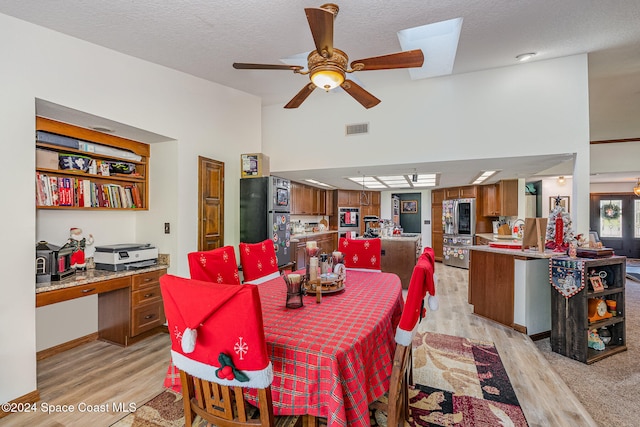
(452, 193)
(470, 191)
(329, 203)
(437, 197)
(343, 198)
(509, 197)
(436, 230)
(490, 200)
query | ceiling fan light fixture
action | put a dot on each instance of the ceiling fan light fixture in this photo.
(327, 78)
(636, 189)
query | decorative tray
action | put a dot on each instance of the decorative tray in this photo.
(330, 285)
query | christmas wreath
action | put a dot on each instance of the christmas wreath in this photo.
(611, 211)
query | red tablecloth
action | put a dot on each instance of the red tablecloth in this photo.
(334, 358)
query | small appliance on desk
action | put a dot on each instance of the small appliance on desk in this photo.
(126, 256)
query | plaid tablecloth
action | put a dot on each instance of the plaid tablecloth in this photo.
(334, 358)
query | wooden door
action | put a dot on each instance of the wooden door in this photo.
(210, 204)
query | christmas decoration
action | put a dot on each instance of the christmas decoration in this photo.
(611, 211)
(79, 243)
(559, 229)
(422, 281)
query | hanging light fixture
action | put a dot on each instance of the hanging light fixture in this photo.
(636, 189)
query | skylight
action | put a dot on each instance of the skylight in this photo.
(439, 44)
(397, 181)
(322, 184)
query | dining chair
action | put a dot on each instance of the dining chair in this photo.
(259, 262)
(218, 265)
(219, 354)
(361, 254)
(422, 282)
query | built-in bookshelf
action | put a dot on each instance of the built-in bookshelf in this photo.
(79, 168)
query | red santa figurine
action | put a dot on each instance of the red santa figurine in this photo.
(79, 243)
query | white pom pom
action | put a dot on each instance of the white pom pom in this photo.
(433, 302)
(189, 340)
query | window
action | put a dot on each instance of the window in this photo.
(611, 218)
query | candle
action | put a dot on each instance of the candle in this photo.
(313, 268)
(294, 278)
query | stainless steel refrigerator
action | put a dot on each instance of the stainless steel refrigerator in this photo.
(459, 230)
(265, 205)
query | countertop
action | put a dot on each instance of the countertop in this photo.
(528, 253)
(295, 237)
(92, 276)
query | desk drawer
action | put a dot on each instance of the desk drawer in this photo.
(146, 295)
(146, 317)
(73, 292)
(145, 279)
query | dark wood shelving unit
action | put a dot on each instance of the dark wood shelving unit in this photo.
(570, 324)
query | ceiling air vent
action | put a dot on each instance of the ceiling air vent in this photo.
(357, 129)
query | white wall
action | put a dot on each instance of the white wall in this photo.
(528, 109)
(203, 118)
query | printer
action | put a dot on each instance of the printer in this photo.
(126, 256)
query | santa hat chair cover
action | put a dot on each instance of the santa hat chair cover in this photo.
(218, 265)
(361, 254)
(217, 332)
(259, 261)
(422, 282)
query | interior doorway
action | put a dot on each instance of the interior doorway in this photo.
(616, 219)
(210, 204)
(410, 211)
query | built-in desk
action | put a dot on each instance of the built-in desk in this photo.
(129, 302)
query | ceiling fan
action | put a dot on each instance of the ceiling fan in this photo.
(327, 65)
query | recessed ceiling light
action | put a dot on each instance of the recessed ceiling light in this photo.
(525, 56)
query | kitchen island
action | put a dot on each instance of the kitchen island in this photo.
(511, 287)
(400, 254)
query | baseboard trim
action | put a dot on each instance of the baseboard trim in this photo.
(52, 351)
(520, 328)
(31, 397)
(540, 336)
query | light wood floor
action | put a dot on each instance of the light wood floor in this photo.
(98, 373)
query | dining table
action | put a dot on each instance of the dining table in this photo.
(332, 358)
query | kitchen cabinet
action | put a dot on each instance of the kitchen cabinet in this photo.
(327, 243)
(307, 200)
(348, 198)
(500, 199)
(329, 203)
(437, 197)
(77, 188)
(570, 323)
(469, 191)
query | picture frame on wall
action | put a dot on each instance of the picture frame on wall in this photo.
(564, 202)
(409, 206)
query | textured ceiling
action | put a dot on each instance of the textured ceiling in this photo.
(204, 38)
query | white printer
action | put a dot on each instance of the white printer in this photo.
(126, 256)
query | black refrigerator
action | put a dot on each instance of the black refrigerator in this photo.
(265, 206)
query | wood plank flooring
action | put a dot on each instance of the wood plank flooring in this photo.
(98, 373)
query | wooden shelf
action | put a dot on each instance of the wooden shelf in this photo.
(113, 187)
(570, 325)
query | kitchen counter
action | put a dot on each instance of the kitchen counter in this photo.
(296, 237)
(511, 287)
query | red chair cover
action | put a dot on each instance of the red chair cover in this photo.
(258, 260)
(361, 253)
(209, 340)
(218, 266)
(421, 283)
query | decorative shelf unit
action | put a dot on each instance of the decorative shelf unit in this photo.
(570, 323)
(120, 191)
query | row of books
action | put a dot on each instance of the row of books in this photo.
(78, 192)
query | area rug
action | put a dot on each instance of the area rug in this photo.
(164, 410)
(460, 382)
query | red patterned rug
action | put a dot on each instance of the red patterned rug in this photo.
(460, 382)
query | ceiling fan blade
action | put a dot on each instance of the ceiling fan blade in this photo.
(244, 66)
(321, 24)
(301, 96)
(359, 94)
(408, 59)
